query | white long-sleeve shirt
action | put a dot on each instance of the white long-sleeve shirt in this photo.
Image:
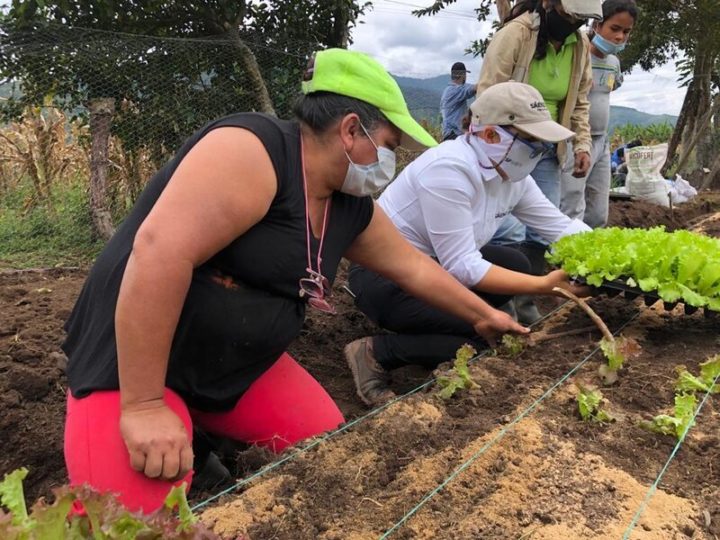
(449, 207)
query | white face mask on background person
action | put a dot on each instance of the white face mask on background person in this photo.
(363, 180)
(514, 157)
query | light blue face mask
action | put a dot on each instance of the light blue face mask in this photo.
(605, 46)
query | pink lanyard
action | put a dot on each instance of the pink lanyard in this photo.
(307, 216)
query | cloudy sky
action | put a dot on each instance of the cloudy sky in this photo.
(427, 47)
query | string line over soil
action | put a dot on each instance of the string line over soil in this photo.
(653, 488)
(345, 427)
(499, 436)
(315, 443)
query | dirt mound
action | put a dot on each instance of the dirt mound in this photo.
(642, 214)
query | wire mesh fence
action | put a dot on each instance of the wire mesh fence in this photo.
(84, 109)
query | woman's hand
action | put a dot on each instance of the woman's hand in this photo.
(582, 164)
(559, 278)
(496, 324)
(156, 440)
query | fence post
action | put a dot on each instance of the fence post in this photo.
(101, 113)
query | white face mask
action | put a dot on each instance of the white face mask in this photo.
(515, 157)
(363, 180)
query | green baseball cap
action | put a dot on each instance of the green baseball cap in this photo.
(358, 76)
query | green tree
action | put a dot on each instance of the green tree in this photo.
(688, 32)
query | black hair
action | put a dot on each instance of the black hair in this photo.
(613, 7)
(320, 110)
(534, 6)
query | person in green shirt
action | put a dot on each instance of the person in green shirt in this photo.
(540, 43)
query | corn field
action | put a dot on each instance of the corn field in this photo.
(48, 150)
(649, 135)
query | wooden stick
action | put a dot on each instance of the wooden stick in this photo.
(587, 309)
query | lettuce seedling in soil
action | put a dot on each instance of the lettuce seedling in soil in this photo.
(616, 350)
(512, 345)
(459, 376)
(104, 518)
(705, 382)
(589, 400)
(680, 421)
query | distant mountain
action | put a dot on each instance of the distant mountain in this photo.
(619, 116)
(423, 99)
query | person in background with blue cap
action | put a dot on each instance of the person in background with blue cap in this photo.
(453, 103)
(188, 311)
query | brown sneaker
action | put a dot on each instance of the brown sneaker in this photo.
(371, 380)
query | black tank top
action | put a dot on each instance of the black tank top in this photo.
(226, 337)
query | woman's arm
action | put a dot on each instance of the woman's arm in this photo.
(500, 280)
(501, 57)
(206, 205)
(382, 249)
(536, 211)
(580, 118)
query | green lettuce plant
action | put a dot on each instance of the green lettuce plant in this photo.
(678, 266)
(679, 422)
(459, 376)
(616, 350)
(104, 518)
(589, 402)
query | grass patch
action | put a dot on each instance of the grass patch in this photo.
(60, 234)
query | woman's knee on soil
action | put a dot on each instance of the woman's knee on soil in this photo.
(95, 452)
(285, 405)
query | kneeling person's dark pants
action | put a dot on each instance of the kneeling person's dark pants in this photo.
(424, 335)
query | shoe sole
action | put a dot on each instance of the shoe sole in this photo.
(356, 378)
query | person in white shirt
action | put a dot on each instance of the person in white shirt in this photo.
(448, 203)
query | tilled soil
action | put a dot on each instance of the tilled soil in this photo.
(549, 475)
(34, 305)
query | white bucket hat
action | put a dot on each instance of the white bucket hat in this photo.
(583, 9)
(521, 106)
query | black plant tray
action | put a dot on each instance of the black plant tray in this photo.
(618, 287)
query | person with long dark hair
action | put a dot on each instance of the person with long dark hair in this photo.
(540, 43)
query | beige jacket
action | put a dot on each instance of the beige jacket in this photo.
(508, 57)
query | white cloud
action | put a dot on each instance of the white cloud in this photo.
(426, 47)
(654, 92)
(419, 47)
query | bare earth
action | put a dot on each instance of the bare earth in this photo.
(549, 476)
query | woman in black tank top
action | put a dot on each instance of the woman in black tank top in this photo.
(188, 310)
